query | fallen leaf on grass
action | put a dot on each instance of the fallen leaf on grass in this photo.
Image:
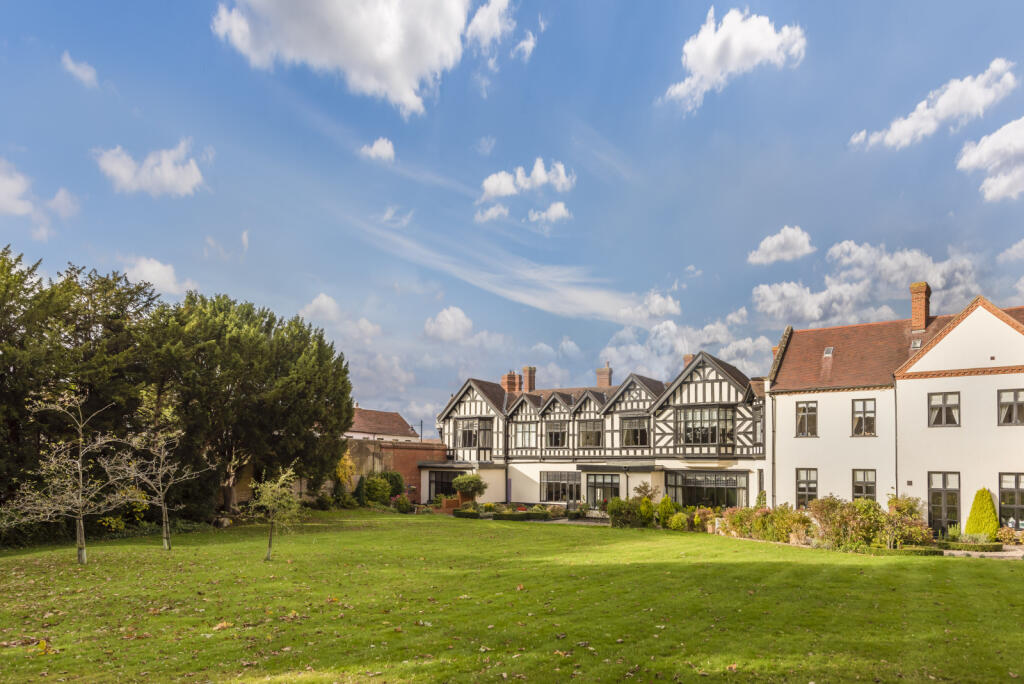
(222, 625)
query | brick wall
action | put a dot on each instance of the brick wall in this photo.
(374, 456)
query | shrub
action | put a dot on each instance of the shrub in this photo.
(904, 551)
(347, 501)
(983, 518)
(953, 532)
(635, 512)
(903, 523)
(1006, 535)
(779, 524)
(466, 514)
(470, 485)
(678, 522)
(360, 491)
(401, 503)
(739, 521)
(396, 481)
(645, 512)
(666, 509)
(762, 500)
(489, 507)
(983, 546)
(378, 490)
(702, 517)
(646, 489)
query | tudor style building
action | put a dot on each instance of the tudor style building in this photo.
(931, 407)
(699, 439)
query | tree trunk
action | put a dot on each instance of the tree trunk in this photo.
(270, 541)
(228, 496)
(166, 528)
(80, 539)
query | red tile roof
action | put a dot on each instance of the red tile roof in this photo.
(864, 355)
(381, 423)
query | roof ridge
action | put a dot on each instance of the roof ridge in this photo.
(896, 320)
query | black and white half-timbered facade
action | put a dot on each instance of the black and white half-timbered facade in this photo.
(698, 439)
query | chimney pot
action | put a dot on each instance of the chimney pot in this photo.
(529, 378)
(775, 351)
(604, 375)
(920, 303)
(687, 358)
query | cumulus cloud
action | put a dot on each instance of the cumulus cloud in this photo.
(752, 355)
(384, 48)
(956, 102)
(162, 172)
(325, 309)
(739, 44)
(789, 244)
(381, 150)
(505, 184)
(524, 48)
(495, 211)
(1020, 287)
(158, 274)
(654, 306)
(15, 190)
(1013, 253)
(555, 212)
(862, 276)
(451, 324)
(543, 349)
(568, 348)
(1001, 156)
(82, 71)
(485, 145)
(245, 241)
(63, 204)
(383, 372)
(659, 351)
(491, 24)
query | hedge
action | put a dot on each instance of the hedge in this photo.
(969, 546)
(905, 551)
(523, 515)
(466, 514)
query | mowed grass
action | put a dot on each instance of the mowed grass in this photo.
(362, 596)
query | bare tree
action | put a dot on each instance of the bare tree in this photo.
(75, 478)
(274, 501)
(154, 469)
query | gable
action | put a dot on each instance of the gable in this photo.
(982, 339)
(630, 396)
(469, 402)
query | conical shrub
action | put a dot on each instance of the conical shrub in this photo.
(983, 518)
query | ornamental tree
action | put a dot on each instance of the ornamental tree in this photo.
(274, 501)
(470, 485)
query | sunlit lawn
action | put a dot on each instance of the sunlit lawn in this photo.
(360, 596)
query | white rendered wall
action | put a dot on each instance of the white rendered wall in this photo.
(834, 452)
(979, 449)
(980, 341)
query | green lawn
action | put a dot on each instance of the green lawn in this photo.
(360, 596)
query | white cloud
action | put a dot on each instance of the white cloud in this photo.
(740, 43)
(693, 272)
(505, 184)
(654, 306)
(751, 355)
(392, 217)
(737, 317)
(485, 145)
(160, 275)
(553, 375)
(449, 325)
(245, 241)
(542, 23)
(1001, 156)
(325, 309)
(385, 48)
(162, 172)
(1020, 287)
(491, 23)
(64, 204)
(863, 276)
(568, 348)
(382, 371)
(789, 244)
(543, 349)
(495, 211)
(555, 212)
(659, 352)
(381, 150)
(957, 102)
(14, 191)
(500, 184)
(1013, 253)
(83, 71)
(524, 48)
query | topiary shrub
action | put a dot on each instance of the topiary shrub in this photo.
(666, 509)
(378, 490)
(983, 518)
(360, 491)
(470, 485)
(395, 480)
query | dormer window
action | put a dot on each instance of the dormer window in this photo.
(828, 351)
(915, 344)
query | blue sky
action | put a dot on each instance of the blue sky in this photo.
(703, 179)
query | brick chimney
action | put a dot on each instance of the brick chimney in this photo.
(519, 382)
(508, 382)
(775, 351)
(529, 378)
(604, 375)
(920, 299)
(687, 358)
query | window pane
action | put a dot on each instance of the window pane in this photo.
(952, 480)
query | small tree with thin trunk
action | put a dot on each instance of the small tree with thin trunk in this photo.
(75, 479)
(155, 471)
(274, 501)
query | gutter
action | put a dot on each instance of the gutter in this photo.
(773, 450)
(896, 436)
